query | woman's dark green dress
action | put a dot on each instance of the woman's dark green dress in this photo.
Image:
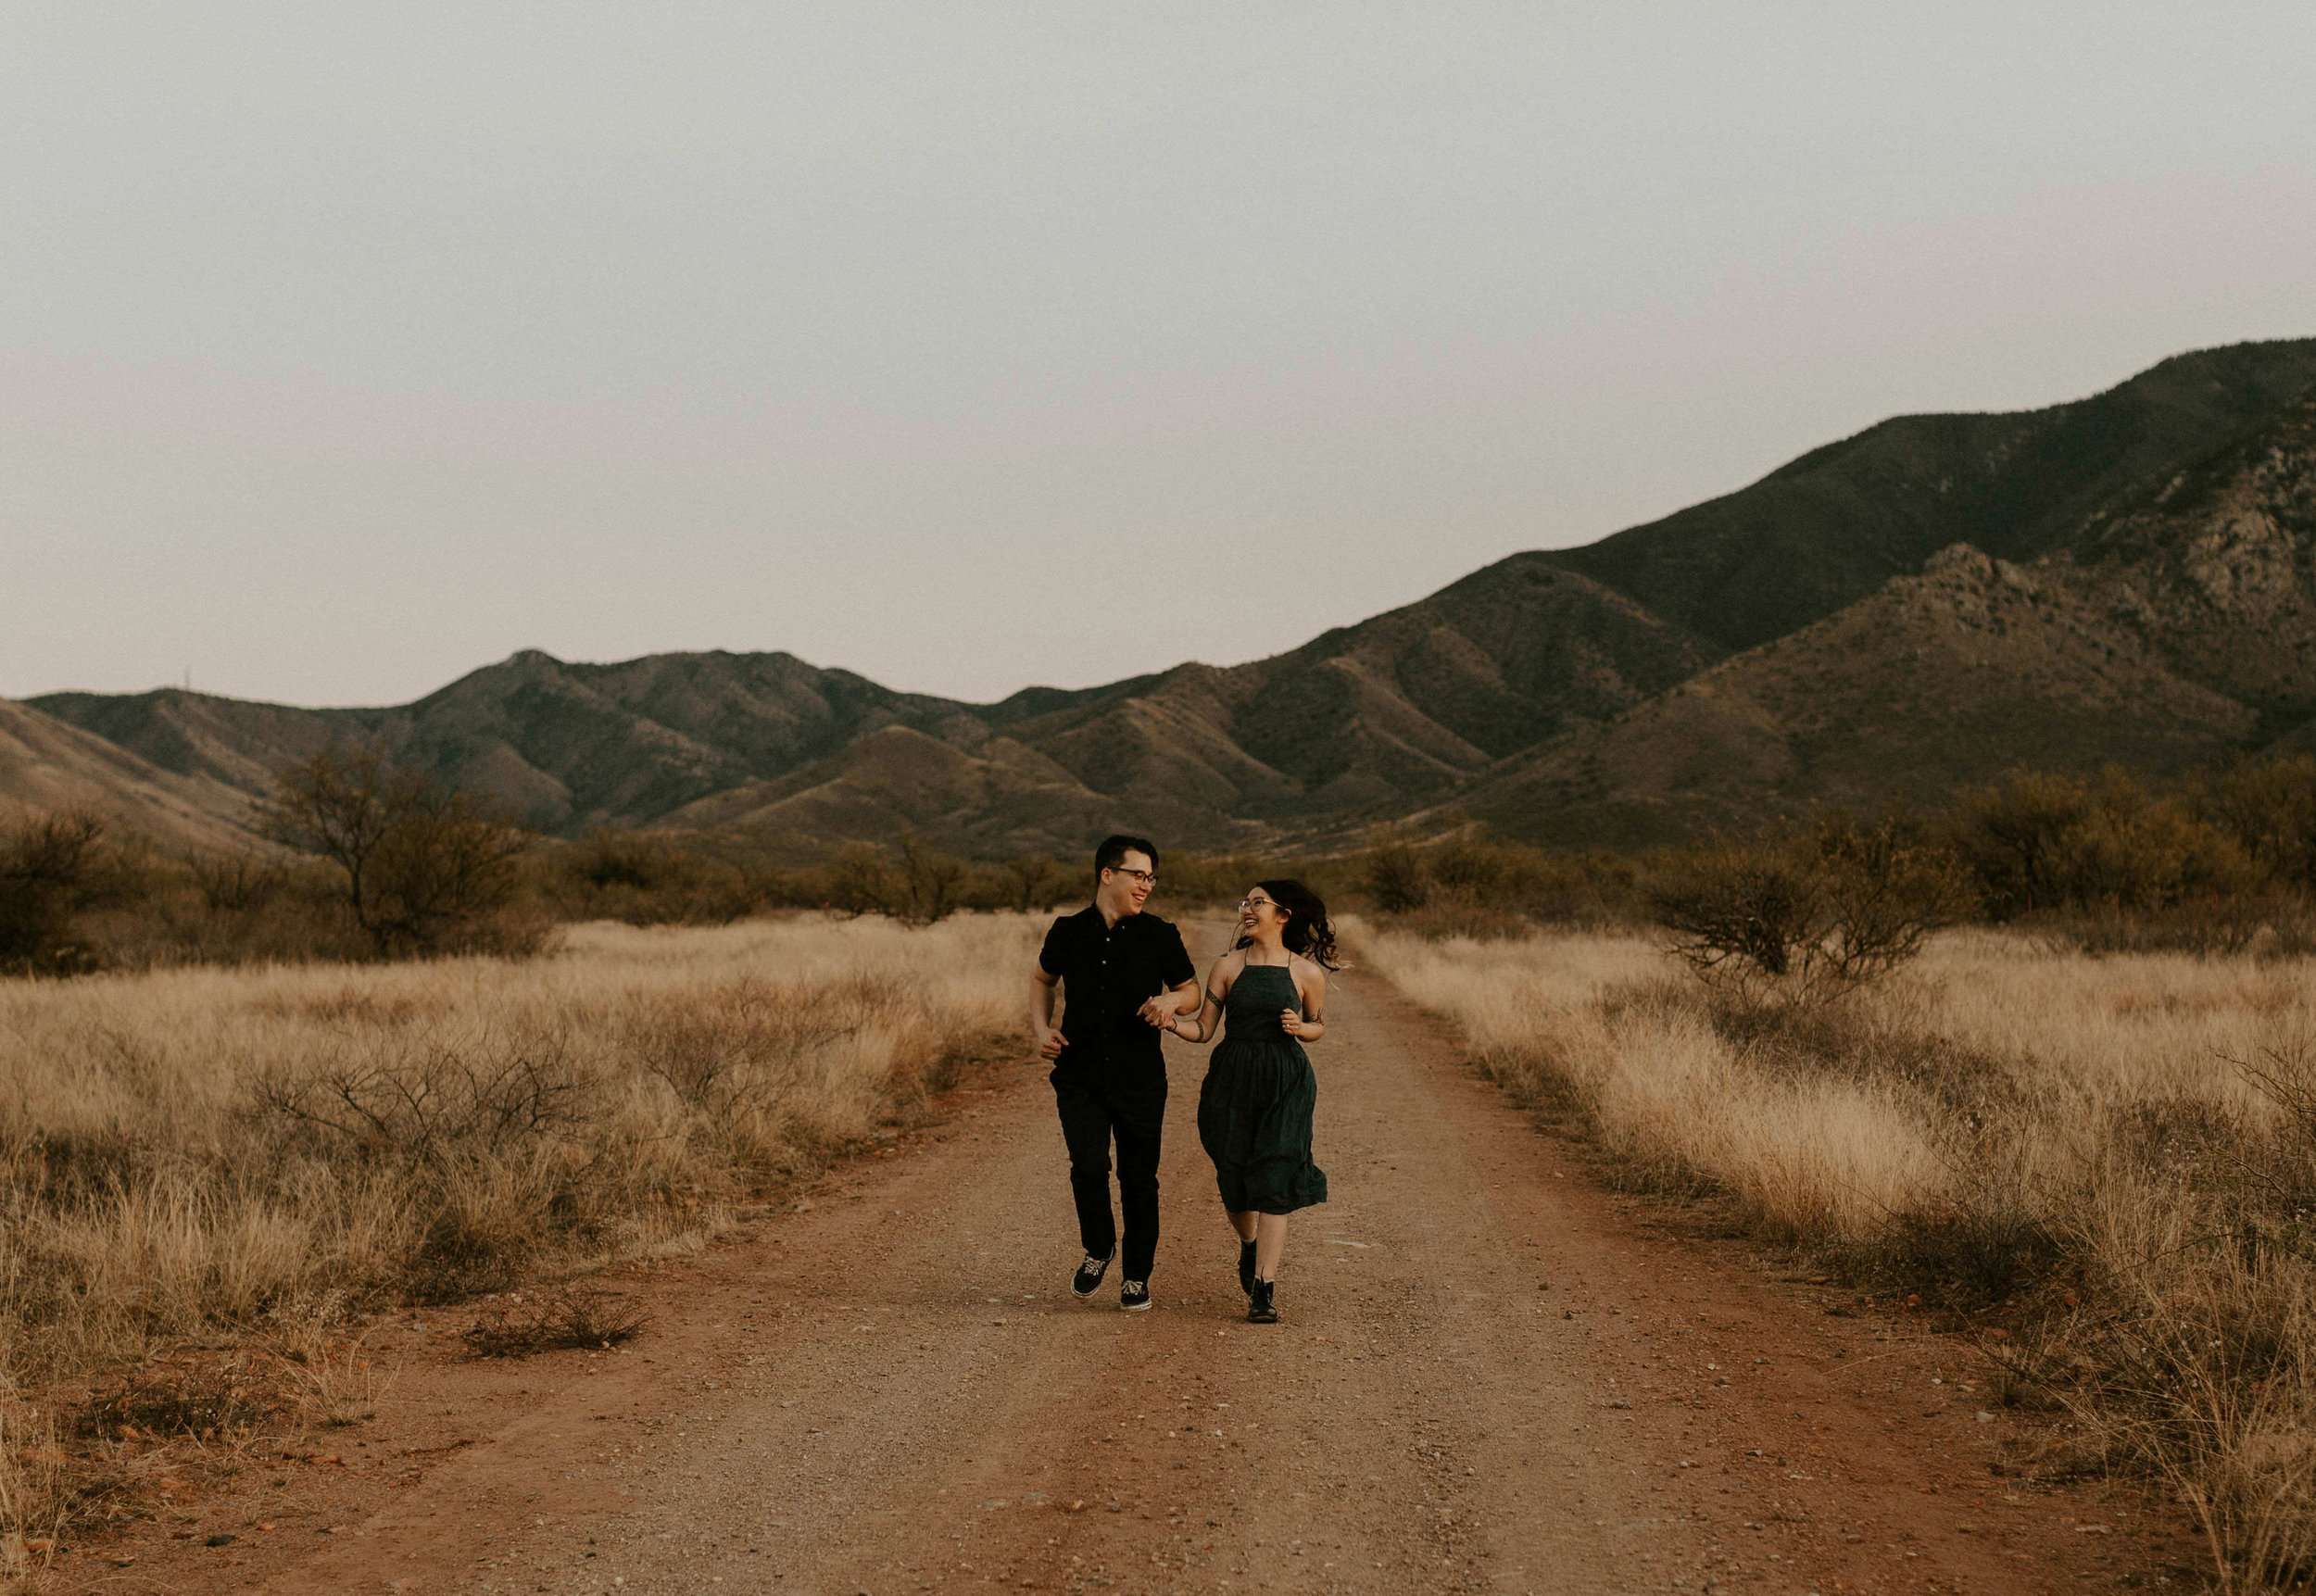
(1254, 1110)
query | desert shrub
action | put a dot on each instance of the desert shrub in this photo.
(2044, 841)
(1468, 885)
(429, 1098)
(2265, 924)
(196, 1397)
(1394, 879)
(1469, 866)
(74, 898)
(238, 881)
(2134, 851)
(861, 881)
(1028, 882)
(1811, 917)
(50, 870)
(555, 1322)
(917, 884)
(644, 878)
(424, 869)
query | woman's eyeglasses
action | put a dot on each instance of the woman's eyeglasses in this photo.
(1247, 903)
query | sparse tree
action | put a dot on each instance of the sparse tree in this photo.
(860, 881)
(423, 865)
(237, 883)
(2269, 807)
(935, 883)
(1031, 881)
(2019, 829)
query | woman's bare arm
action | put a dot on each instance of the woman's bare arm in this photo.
(1202, 1027)
(1311, 986)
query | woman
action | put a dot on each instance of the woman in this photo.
(1255, 1109)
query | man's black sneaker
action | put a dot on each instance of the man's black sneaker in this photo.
(1246, 1267)
(1088, 1280)
(1261, 1307)
(1134, 1296)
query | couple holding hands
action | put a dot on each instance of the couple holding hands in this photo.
(1124, 977)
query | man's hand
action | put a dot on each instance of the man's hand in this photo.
(1159, 1011)
(1050, 1047)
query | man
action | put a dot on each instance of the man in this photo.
(1112, 961)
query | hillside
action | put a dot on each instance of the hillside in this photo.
(46, 764)
(569, 744)
(1832, 527)
(2168, 631)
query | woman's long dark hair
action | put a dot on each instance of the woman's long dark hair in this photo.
(1306, 931)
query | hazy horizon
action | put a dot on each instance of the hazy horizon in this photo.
(345, 352)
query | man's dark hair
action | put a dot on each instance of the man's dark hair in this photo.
(1114, 849)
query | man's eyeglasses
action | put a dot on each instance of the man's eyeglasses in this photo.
(1147, 877)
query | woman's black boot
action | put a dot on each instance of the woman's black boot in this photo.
(1246, 1267)
(1261, 1309)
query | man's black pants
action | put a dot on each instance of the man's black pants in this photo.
(1101, 1101)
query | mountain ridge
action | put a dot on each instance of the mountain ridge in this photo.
(2139, 558)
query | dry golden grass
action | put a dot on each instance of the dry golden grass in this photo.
(203, 1152)
(2115, 1156)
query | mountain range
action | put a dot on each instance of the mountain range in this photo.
(1904, 613)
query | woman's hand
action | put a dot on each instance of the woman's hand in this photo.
(1291, 1022)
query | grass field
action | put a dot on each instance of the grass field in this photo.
(256, 1154)
(2104, 1168)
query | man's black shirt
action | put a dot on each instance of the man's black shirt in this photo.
(1108, 973)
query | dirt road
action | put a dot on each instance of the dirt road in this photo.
(1490, 1376)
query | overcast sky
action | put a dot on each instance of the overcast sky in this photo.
(345, 348)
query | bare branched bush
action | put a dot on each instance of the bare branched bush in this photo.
(196, 1395)
(237, 882)
(425, 1099)
(555, 1322)
(1815, 917)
